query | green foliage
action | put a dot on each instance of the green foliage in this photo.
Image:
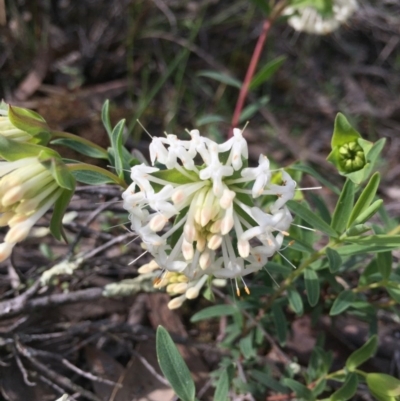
(173, 366)
(361, 355)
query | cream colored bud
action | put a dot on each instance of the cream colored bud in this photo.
(178, 197)
(5, 250)
(205, 259)
(243, 248)
(200, 244)
(187, 250)
(227, 224)
(180, 288)
(157, 223)
(12, 196)
(17, 233)
(192, 293)
(5, 218)
(176, 302)
(215, 242)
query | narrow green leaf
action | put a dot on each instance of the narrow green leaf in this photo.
(365, 199)
(385, 261)
(214, 311)
(358, 230)
(376, 240)
(263, 5)
(12, 150)
(295, 301)
(209, 119)
(361, 355)
(315, 221)
(280, 323)
(335, 261)
(384, 384)
(368, 212)
(394, 294)
(347, 391)
(222, 388)
(343, 207)
(27, 120)
(60, 207)
(246, 346)
(342, 302)
(105, 117)
(80, 147)
(356, 249)
(266, 72)
(91, 177)
(173, 366)
(58, 170)
(300, 389)
(312, 286)
(268, 381)
(222, 78)
(252, 109)
(116, 145)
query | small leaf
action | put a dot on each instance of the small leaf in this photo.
(342, 302)
(311, 218)
(375, 240)
(383, 384)
(368, 212)
(222, 388)
(247, 347)
(214, 311)
(356, 249)
(365, 199)
(361, 355)
(91, 177)
(80, 147)
(222, 78)
(105, 117)
(280, 322)
(312, 286)
(394, 294)
(335, 261)
(347, 391)
(266, 72)
(60, 207)
(252, 109)
(268, 381)
(385, 261)
(27, 120)
(209, 119)
(12, 150)
(343, 208)
(116, 145)
(173, 366)
(295, 301)
(300, 389)
(58, 170)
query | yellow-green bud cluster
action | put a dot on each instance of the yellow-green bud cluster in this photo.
(351, 157)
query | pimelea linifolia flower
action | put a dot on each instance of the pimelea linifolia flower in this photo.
(27, 191)
(202, 215)
(309, 19)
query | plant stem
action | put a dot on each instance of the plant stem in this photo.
(97, 169)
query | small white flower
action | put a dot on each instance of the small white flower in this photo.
(207, 222)
(308, 19)
(27, 191)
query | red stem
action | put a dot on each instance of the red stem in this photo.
(249, 75)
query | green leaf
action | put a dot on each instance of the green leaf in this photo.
(312, 286)
(116, 145)
(335, 261)
(311, 218)
(222, 78)
(174, 176)
(263, 5)
(376, 240)
(342, 302)
(58, 170)
(252, 108)
(343, 132)
(105, 117)
(173, 366)
(343, 207)
(365, 199)
(394, 293)
(315, 174)
(358, 230)
(266, 72)
(300, 389)
(361, 355)
(347, 391)
(268, 381)
(368, 212)
(385, 261)
(91, 177)
(280, 323)
(209, 119)
(27, 120)
(80, 147)
(356, 249)
(214, 311)
(222, 388)
(295, 301)
(246, 346)
(383, 384)
(60, 206)
(12, 150)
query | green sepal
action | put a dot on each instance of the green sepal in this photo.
(362, 354)
(27, 120)
(11, 150)
(343, 132)
(384, 384)
(60, 207)
(58, 170)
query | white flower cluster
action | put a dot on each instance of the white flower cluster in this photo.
(27, 191)
(308, 19)
(218, 229)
